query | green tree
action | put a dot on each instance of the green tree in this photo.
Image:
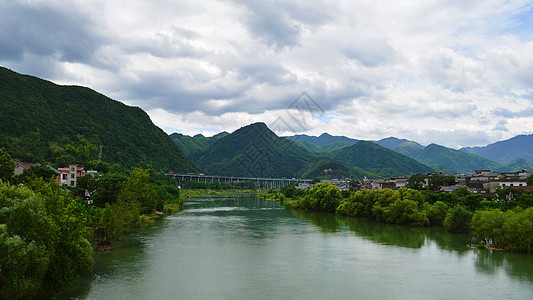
(7, 165)
(458, 219)
(530, 180)
(323, 197)
(138, 189)
(487, 226)
(507, 195)
(42, 234)
(437, 213)
(416, 181)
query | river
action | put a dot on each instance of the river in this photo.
(241, 247)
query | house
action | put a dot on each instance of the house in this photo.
(69, 175)
(22, 166)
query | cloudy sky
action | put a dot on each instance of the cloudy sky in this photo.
(455, 72)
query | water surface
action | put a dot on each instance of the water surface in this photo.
(241, 247)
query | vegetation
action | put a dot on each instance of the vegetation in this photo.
(255, 151)
(42, 240)
(48, 123)
(373, 158)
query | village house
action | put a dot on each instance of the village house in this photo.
(69, 175)
(20, 167)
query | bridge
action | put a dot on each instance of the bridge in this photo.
(267, 183)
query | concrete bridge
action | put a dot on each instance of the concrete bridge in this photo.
(267, 183)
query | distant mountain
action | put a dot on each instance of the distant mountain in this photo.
(403, 146)
(507, 151)
(443, 158)
(518, 165)
(195, 144)
(41, 121)
(327, 168)
(374, 158)
(323, 143)
(255, 151)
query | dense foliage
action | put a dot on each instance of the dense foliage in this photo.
(42, 240)
(44, 122)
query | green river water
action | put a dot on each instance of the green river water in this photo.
(241, 247)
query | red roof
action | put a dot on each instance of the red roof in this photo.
(25, 165)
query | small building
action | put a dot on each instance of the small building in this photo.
(69, 175)
(20, 167)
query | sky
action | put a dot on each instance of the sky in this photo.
(456, 73)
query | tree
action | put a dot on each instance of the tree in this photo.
(138, 189)
(507, 195)
(7, 165)
(42, 240)
(530, 180)
(437, 213)
(435, 181)
(458, 219)
(355, 185)
(416, 181)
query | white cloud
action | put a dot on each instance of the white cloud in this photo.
(455, 73)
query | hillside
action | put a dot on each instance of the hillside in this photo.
(507, 151)
(323, 143)
(255, 151)
(325, 167)
(41, 121)
(374, 158)
(403, 146)
(457, 161)
(193, 145)
(518, 165)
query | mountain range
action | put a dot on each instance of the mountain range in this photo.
(510, 155)
(44, 122)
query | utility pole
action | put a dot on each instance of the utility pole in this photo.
(100, 154)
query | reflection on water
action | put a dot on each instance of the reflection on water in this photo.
(241, 247)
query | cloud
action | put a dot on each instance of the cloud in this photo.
(454, 73)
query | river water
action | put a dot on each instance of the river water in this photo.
(241, 247)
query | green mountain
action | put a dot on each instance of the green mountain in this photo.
(518, 165)
(41, 121)
(255, 151)
(454, 160)
(323, 143)
(325, 167)
(372, 157)
(403, 146)
(507, 151)
(193, 145)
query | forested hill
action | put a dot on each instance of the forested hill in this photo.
(41, 121)
(255, 151)
(374, 158)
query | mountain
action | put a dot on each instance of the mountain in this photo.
(255, 151)
(41, 121)
(323, 143)
(374, 158)
(325, 167)
(193, 145)
(518, 165)
(507, 151)
(442, 158)
(403, 146)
